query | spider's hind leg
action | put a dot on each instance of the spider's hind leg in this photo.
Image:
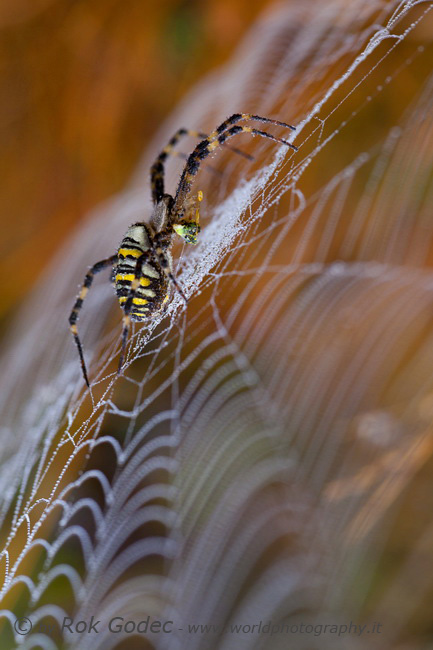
(73, 318)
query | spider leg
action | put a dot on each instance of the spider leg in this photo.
(126, 321)
(208, 168)
(164, 263)
(157, 170)
(212, 142)
(240, 117)
(177, 287)
(73, 318)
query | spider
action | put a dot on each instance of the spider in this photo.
(142, 265)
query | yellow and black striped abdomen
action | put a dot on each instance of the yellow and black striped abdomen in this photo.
(153, 283)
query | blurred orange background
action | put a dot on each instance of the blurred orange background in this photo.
(84, 86)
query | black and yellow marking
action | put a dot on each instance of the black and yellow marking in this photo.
(73, 318)
(212, 142)
(135, 301)
(129, 251)
(140, 292)
(141, 268)
(129, 277)
(157, 169)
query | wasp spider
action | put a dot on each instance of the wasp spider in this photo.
(142, 266)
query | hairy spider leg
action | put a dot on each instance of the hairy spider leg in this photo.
(207, 146)
(157, 171)
(163, 262)
(240, 117)
(73, 318)
(209, 168)
(189, 230)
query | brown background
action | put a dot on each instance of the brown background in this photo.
(84, 85)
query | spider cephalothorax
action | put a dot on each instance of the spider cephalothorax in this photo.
(142, 266)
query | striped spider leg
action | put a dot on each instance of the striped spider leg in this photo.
(143, 263)
(73, 318)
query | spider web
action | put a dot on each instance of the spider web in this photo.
(266, 455)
